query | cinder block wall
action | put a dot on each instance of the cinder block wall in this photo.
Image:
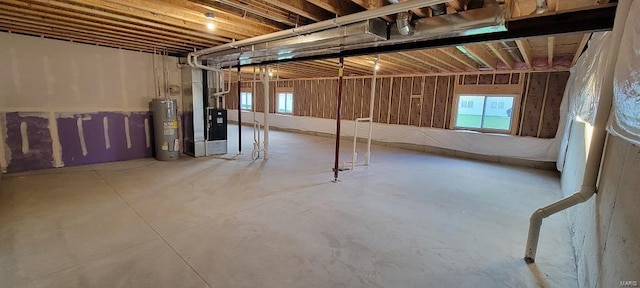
(65, 104)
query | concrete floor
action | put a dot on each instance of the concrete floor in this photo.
(409, 220)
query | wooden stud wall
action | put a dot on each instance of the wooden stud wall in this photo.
(423, 101)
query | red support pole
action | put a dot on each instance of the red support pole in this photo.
(338, 117)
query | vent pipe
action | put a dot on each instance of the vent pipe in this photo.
(437, 10)
(403, 21)
(541, 7)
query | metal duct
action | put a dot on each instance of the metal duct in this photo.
(403, 21)
(367, 34)
(512, 48)
(370, 31)
(541, 7)
(437, 10)
(489, 19)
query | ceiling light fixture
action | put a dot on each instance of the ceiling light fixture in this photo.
(210, 24)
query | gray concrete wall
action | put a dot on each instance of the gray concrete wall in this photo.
(606, 229)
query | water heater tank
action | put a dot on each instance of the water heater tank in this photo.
(165, 128)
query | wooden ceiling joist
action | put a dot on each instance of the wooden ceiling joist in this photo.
(460, 57)
(73, 30)
(583, 42)
(304, 9)
(90, 22)
(502, 54)
(337, 7)
(479, 52)
(525, 51)
(422, 58)
(224, 21)
(151, 27)
(240, 14)
(156, 18)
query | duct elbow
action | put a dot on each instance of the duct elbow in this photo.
(437, 10)
(403, 22)
(541, 6)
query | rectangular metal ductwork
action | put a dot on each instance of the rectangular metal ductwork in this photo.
(362, 35)
(490, 19)
(331, 40)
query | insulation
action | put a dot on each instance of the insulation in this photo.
(626, 92)
(385, 91)
(485, 79)
(470, 79)
(394, 109)
(377, 100)
(589, 72)
(424, 101)
(551, 112)
(366, 97)
(515, 78)
(358, 97)
(405, 100)
(348, 99)
(428, 100)
(502, 79)
(533, 105)
(442, 89)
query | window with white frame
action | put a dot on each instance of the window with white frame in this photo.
(246, 100)
(285, 103)
(485, 112)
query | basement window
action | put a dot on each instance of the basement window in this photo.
(246, 100)
(285, 103)
(490, 113)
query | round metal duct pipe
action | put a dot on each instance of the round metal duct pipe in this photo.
(404, 23)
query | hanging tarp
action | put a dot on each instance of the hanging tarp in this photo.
(625, 122)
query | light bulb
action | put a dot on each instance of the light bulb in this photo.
(211, 26)
(377, 67)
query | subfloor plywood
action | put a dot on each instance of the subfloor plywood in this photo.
(409, 220)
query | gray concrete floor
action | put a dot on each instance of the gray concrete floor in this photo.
(409, 220)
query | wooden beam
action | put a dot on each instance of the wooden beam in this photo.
(424, 59)
(116, 36)
(479, 52)
(374, 4)
(74, 37)
(218, 7)
(92, 26)
(550, 46)
(338, 7)
(525, 51)
(240, 8)
(303, 8)
(443, 58)
(583, 42)
(129, 10)
(81, 19)
(82, 11)
(232, 22)
(503, 55)
(460, 57)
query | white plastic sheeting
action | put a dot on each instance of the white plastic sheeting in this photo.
(588, 76)
(626, 93)
(528, 148)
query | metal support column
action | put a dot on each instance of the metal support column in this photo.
(338, 118)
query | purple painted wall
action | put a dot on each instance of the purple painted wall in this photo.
(40, 153)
